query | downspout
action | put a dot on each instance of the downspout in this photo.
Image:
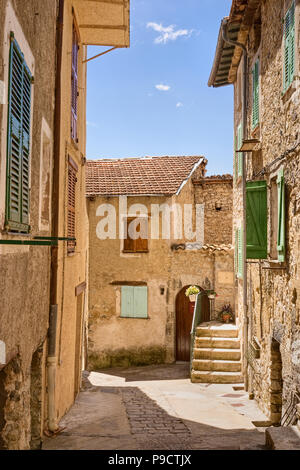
(52, 359)
(245, 293)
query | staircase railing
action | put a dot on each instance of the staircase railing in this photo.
(197, 319)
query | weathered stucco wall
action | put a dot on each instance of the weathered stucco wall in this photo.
(24, 271)
(273, 300)
(126, 341)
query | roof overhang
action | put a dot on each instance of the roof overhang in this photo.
(103, 22)
(243, 14)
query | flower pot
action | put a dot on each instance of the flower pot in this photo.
(192, 297)
(226, 318)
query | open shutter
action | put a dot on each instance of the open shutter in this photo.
(140, 301)
(240, 253)
(240, 154)
(289, 47)
(127, 295)
(18, 144)
(72, 180)
(281, 216)
(255, 95)
(236, 264)
(256, 211)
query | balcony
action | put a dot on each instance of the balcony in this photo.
(103, 22)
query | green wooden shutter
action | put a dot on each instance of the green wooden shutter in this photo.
(256, 212)
(127, 294)
(18, 142)
(236, 264)
(240, 154)
(281, 216)
(255, 95)
(240, 253)
(140, 302)
(289, 47)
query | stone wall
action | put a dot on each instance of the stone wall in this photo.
(273, 288)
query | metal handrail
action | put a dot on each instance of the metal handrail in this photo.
(197, 318)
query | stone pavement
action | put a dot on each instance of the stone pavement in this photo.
(157, 408)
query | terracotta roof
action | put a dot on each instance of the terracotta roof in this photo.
(140, 176)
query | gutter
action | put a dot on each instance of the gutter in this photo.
(224, 27)
(52, 359)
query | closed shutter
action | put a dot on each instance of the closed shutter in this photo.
(72, 180)
(74, 86)
(235, 158)
(18, 144)
(289, 47)
(236, 264)
(240, 154)
(281, 216)
(255, 95)
(240, 253)
(256, 211)
(129, 244)
(140, 245)
(134, 302)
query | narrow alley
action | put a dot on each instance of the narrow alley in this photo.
(158, 408)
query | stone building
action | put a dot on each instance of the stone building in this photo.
(138, 311)
(258, 52)
(43, 217)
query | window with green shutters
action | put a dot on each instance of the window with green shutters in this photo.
(239, 262)
(256, 219)
(134, 302)
(255, 95)
(18, 142)
(281, 216)
(239, 154)
(289, 48)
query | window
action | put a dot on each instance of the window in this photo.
(289, 48)
(136, 232)
(18, 142)
(74, 85)
(255, 95)
(72, 180)
(134, 302)
(256, 217)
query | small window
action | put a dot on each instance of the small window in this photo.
(238, 160)
(289, 48)
(18, 142)
(134, 302)
(72, 180)
(74, 86)
(136, 233)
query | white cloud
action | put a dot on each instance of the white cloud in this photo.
(179, 104)
(168, 33)
(162, 87)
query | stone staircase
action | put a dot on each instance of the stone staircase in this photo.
(217, 355)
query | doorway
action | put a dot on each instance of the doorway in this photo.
(184, 320)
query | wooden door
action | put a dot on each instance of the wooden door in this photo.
(184, 319)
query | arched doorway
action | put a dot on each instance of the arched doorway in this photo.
(184, 319)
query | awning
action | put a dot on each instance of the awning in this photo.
(103, 22)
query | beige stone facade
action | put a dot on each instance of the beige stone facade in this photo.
(272, 311)
(167, 268)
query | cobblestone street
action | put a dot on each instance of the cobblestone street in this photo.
(157, 408)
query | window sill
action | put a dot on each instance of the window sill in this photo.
(287, 94)
(134, 252)
(134, 318)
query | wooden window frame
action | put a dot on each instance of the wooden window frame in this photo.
(289, 48)
(19, 125)
(135, 243)
(255, 94)
(74, 83)
(71, 222)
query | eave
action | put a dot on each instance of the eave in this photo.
(103, 22)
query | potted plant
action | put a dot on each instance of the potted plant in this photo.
(192, 293)
(211, 294)
(226, 314)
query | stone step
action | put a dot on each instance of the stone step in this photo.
(219, 342)
(217, 353)
(283, 438)
(224, 331)
(216, 377)
(217, 365)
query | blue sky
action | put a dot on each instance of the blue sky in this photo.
(153, 98)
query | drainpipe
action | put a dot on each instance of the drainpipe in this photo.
(52, 359)
(245, 293)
